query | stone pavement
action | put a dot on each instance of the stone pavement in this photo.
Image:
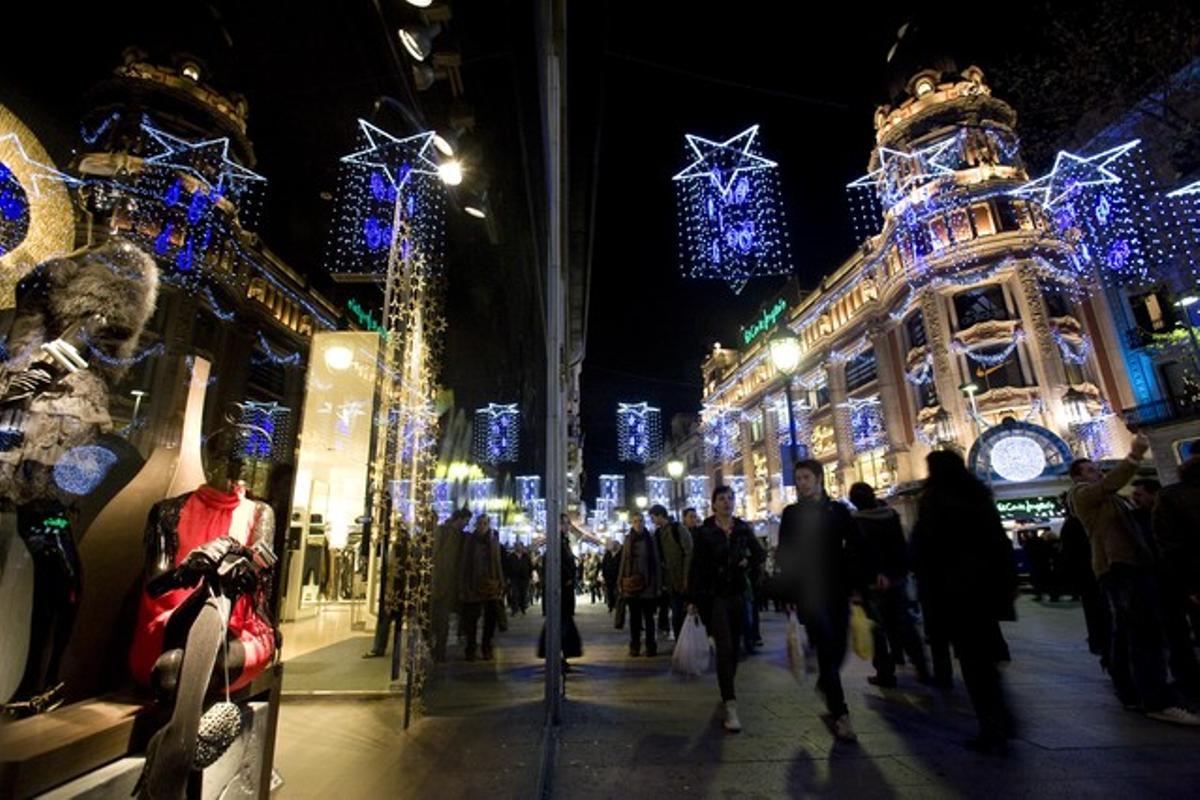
(631, 729)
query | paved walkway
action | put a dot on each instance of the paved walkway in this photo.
(631, 729)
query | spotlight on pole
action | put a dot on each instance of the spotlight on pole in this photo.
(451, 172)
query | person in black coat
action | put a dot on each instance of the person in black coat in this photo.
(884, 540)
(725, 554)
(963, 561)
(822, 562)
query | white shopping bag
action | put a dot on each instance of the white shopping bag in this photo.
(800, 660)
(692, 654)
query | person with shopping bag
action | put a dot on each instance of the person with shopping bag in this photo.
(640, 582)
(820, 558)
(725, 553)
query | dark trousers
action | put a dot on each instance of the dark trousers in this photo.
(664, 612)
(470, 614)
(1138, 669)
(938, 639)
(678, 612)
(1175, 606)
(827, 630)
(641, 615)
(1096, 617)
(896, 631)
(974, 643)
(750, 629)
(722, 617)
(610, 594)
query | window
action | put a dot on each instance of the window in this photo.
(1010, 215)
(819, 397)
(981, 215)
(1057, 302)
(980, 305)
(927, 395)
(860, 370)
(960, 225)
(1152, 312)
(915, 326)
(939, 233)
(995, 376)
(756, 429)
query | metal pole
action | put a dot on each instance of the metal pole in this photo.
(787, 391)
(553, 112)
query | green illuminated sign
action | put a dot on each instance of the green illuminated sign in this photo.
(1030, 508)
(363, 316)
(764, 323)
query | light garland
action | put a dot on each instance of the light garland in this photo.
(1070, 354)
(117, 361)
(612, 490)
(262, 431)
(293, 359)
(721, 429)
(922, 373)
(639, 432)
(990, 359)
(497, 433)
(731, 225)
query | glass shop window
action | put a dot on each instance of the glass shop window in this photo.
(915, 327)
(860, 370)
(980, 305)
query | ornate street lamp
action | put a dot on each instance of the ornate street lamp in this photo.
(784, 349)
(675, 469)
(970, 389)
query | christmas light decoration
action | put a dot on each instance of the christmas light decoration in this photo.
(612, 490)
(1018, 458)
(731, 226)
(990, 359)
(1077, 355)
(658, 490)
(639, 432)
(81, 469)
(529, 488)
(721, 428)
(293, 359)
(696, 493)
(922, 373)
(497, 433)
(262, 431)
(865, 420)
(1072, 173)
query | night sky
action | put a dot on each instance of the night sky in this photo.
(642, 75)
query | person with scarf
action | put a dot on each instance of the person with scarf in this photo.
(820, 557)
(640, 584)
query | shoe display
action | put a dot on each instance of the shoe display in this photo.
(731, 723)
(1175, 714)
(843, 731)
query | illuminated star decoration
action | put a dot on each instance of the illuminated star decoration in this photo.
(34, 171)
(639, 432)
(207, 160)
(1191, 190)
(390, 202)
(497, 433)
(1072, 172)
(730, 224)
(899, 173)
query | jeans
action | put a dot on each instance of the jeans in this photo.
(827, 629)
(641, 614)
(1138, 668)
(470, 613)
(722, 617)
(889, 607)
(750, 630)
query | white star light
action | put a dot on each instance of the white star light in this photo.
(188, 156)
(38, 171)
(722, 161)
(398, 158)
(1192, 189)
(927, 167)
(1071, 172)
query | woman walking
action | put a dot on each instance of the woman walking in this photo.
(963, 561)
(640, 583)
(725, 553)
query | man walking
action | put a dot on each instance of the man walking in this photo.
(676, 543)
(1124, 563)
(481, 585)
(610, 567)
(820, 555)
(447, 549)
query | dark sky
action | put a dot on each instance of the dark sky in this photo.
(642, 75)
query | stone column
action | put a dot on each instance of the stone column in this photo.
(836, 376)
(893, 392)
(1045, 359)
(946, 375)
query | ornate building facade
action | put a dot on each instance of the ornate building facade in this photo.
(958, 323)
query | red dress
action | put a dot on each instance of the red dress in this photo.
(180, 525)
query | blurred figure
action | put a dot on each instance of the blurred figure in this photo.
(1176, 523)
(447, 550)
(964, 565)
(481, 586)
(610, 568)
(675, 542)
(640, 580)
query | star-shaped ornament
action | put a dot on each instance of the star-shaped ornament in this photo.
(1191, 190)
(398, 158)
(25, 168)
(207, 160)
(1071, 172)
(721, 162)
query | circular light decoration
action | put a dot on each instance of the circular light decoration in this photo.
(1018, 458)
(14, 210)
(83, 468)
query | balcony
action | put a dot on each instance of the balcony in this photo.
(1160, 412)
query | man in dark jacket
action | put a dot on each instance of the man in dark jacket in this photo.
(610, 567)
(447, 548)
(821, 556)
(886, 548)
(481, 585)
(675, 543)
(725, 553)
(1176, 523)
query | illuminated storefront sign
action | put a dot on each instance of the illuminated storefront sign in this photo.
(1030, 508)
(362, 316)
(765, 322)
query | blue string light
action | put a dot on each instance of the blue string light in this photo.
(290, 360)
(639, 432)
(731, 226)
(497, 433)
(1071, 354)
(720, 426)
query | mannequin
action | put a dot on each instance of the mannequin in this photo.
(204, 614)
(76, 321)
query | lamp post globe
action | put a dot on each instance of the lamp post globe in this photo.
(785, 353)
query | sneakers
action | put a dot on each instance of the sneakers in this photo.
(1180, 716)
(843, 731)
(731, 723)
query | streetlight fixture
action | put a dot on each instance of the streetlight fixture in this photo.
(450, 171)
(138, 394)
(675, 469)
(641, 502)
(970, 388)
(784, 349)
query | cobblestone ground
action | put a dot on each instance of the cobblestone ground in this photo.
(631, 729)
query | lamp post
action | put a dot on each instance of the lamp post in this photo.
(785, 355)
(969, 389)
(675, 471)
(641, 502)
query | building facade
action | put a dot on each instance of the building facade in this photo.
(958, 323)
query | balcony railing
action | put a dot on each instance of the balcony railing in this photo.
(1171, 409)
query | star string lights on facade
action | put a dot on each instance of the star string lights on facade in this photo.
(720, 427)
(731, 224)
(261, 432)
(497, 434)
(639, 432)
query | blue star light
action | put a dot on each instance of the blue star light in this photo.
(722, 161)
(900, 172)
(1072, 172)
(397, 158)
(207, 160)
